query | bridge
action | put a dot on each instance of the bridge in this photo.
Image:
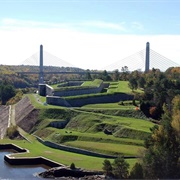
(145, 60)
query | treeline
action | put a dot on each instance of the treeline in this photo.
(161, 157)
(10, 75)
(158, 88)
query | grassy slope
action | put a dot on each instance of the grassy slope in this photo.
(87, 127)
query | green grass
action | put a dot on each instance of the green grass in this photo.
(95, 83)
(91, 137)
(87, 130)
(85, 118)
(107, 148)
(109, 106)
(66, 158)
(41, 103)
(120, 86)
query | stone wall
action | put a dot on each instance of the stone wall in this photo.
(83, 90)
(26, 160)
(59, 124)
(78, 102)
(46, 90)
(42, 89)
(71, 83)
(56, 100)
(22, 109)
(73, 149)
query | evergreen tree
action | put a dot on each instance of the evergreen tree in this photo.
(161, 157)
(137, 172)
(120, 168)
(107, 167)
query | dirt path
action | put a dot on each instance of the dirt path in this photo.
(4, 119)
(11, 116)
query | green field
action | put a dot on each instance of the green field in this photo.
(85, 129)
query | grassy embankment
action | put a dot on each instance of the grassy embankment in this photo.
(85, 130)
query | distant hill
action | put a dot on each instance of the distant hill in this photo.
(9, 73)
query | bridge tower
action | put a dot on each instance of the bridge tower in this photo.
(147, 57)
(41, 73)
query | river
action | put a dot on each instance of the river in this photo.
(9, 172)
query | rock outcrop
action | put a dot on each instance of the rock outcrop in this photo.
(71, 173)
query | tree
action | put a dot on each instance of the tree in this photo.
(125, 73)
(72, 166)
(176, 115)
(141, 82)
(137, 172)
(116, 75)
(133, 83)
(88, 75)
(6, 92)
(120, 168)
(105, 76)
(107, 167)
(162, 154)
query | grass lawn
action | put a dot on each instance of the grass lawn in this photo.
(107, 148)
(84, 127)
(66, 158)
(109, 106)
(94, 137)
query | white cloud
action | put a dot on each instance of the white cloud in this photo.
(137, 25)
(84, 50)
(105, 25)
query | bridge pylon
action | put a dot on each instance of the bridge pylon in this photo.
(41, 73)
(147, 60)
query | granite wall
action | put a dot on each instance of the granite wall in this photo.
(78, 102)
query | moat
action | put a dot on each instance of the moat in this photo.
(8, 171)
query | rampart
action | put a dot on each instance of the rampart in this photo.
(22, 109)
(78, 102)
(59, 124)
(70, 83)
(46, 90)
(4, 117)
(80, 91)
(73, 149)
(26, 160)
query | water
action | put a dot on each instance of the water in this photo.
(9, 172)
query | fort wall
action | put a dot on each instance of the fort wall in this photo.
(78, 102)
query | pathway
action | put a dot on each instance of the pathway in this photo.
(4, 120)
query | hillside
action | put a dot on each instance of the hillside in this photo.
(9, 73)
(87, 130)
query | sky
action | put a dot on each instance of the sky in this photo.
(89, 34)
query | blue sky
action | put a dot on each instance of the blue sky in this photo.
(88, 33)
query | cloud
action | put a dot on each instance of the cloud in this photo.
(82, 49)
(105, 25)
(17, 23)
(137, 25)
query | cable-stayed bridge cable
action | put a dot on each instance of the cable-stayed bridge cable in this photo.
(48, 60)
(133, 62)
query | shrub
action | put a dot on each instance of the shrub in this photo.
(137, 172)
(120, 168)
(72, 166)
(107, 167)
(12, 132)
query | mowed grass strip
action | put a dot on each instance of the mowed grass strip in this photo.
(91, 137)
(37, 149)
(120, 86)
(109, 106)
(107, 148)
